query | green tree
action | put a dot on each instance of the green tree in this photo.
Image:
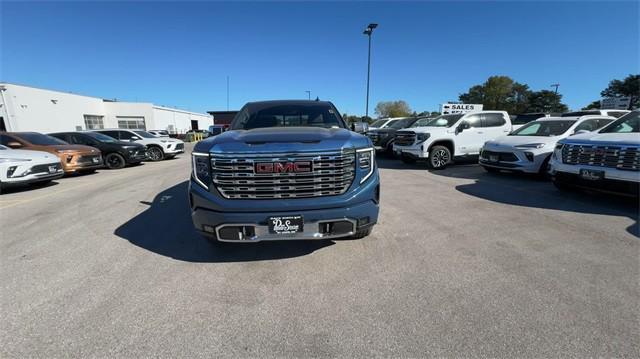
(629, 87)
(546, 101)
(592, 106)
(499, 93)
(393, 109)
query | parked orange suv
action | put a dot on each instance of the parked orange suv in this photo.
(74, 158)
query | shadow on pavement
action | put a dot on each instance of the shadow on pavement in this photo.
(28, 187)
(527, 191)
(165, 228)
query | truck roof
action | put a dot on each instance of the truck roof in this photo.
(258, 105)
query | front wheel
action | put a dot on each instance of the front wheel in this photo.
(439, 157)
(114, 161)
(155, 154)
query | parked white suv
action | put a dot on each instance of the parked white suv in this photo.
(447, 136)
(158, 148)
(529, 148)
(27, 167)
(607, 160)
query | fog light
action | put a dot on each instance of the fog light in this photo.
(363, 221)
(529, 156)
(69, 158)
(208, 228)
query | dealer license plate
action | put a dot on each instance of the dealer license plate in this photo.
(286, 224)
(591, 175)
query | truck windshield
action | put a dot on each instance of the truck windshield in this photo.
(629, 123)
(288, 116)
(379, 123)
(422, 122)
(443, 121)
(39, 139)
(544, 128)
(404, 123)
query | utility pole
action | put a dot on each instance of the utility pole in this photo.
(556, 86)
(227, 93)
(368, 31)
(308, 94)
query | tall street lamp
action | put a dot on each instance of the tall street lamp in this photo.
(368, 31)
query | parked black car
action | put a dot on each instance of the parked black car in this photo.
(383, 138)
(116, 154)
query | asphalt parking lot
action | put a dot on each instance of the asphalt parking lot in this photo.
(462, 264)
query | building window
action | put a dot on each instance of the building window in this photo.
(92, 122)
(131, 123)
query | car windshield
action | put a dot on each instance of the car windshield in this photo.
(145, 134)
(379, 123)
(629, 123)
(3, 147)
(443, 121)
(101, 137)
(422, 122)
(39, 139)
(306, 115)
(544, 128)
(404, 123)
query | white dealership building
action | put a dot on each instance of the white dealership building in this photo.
(25, 108)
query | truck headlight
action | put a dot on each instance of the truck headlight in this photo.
(365, 158)
(557, 151)
(201, 168)
(421, 137)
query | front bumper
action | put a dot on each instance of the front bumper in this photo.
(414, 151)
(614, 181)
(136, 157)
(352, 211)
(32, 178)
(521, 162)
(174, 148)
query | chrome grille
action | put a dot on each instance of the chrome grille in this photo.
(405, 138)
(620, 157)
(235, 177)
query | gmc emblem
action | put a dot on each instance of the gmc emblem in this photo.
(283, 167)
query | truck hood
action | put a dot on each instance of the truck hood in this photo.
(430, 129)
(617, 139)
(284, 139)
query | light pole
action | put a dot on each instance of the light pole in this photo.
(368, 31)
(308, 94)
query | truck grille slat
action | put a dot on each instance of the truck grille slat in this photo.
(234, 175)
(405, 138)
(620, 157)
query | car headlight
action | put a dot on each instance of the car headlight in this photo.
(531, 145)
(201, 168)
(421, 137)
(14, 160)
(365, 159)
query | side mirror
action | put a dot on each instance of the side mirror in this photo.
(360, 127)
(14, 144)
(461, 127)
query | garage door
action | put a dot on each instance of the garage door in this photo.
(131, 122)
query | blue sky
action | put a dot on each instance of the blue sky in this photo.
(426, 53)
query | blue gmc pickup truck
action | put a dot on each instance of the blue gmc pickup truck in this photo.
(285, 170)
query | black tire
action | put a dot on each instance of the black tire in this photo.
(439, 157)
(491, 169)
(155, 154)
(544, 168)
(408, 160)
(1, 188)
(362, 233)
(114, 161)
